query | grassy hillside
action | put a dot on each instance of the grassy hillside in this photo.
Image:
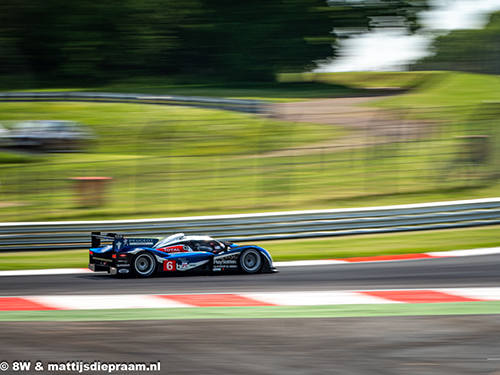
(404, 80)
(449, 89)
(177, 161)
(428, 89)
(137, 129)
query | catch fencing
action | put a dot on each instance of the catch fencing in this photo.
(259, 226)
(314, 155)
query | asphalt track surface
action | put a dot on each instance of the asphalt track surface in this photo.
(462, 344)
(383, 345)
(475, 271)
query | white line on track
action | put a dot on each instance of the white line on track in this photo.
(99, 302)
(299, 263)
(464, 253)
(52, 271)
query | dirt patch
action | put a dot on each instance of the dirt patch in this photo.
(368, 125)
(11, 204)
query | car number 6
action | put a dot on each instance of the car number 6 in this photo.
(169, 265)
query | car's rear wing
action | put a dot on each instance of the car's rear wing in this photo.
(119, 242)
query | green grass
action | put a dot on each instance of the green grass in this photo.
(404, 80)
(135, 129)
(428, 89)
(445, 97)
(257, 312)
(173, 161)
(163, 160)
(278, 91)
(148, 186)
(178, 161)
(450, 89)
(34, 260)
(322, 248)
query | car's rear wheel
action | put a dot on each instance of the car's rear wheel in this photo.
(250, 261)
(144, 264)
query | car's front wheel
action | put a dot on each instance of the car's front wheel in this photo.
(144, 264)
(250, 261)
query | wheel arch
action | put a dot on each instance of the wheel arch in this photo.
(267, 260)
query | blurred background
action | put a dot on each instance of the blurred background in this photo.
(421, 126)
(171, 161)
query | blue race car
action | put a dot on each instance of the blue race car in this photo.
(174, 254)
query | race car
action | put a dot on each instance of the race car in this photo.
(178, 253)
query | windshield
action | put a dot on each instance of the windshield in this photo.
(169, 239)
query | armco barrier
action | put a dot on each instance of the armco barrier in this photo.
(247, 106)
(260, 226)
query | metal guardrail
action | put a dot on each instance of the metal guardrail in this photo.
(238, 105)
(260, 226)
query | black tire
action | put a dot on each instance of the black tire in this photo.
(250, 261)
(144, 264)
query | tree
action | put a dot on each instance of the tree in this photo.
(476, 51)
(97, 41)
(254, 40)
(93, 40)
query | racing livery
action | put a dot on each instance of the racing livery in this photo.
(177, 253)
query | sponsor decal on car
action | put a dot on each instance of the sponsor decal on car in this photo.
(170, 265)
(226, 261)
(174, 249)
(140, 242)
(119, 243)
(183, 267)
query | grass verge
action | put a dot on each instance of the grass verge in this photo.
(276, 312)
